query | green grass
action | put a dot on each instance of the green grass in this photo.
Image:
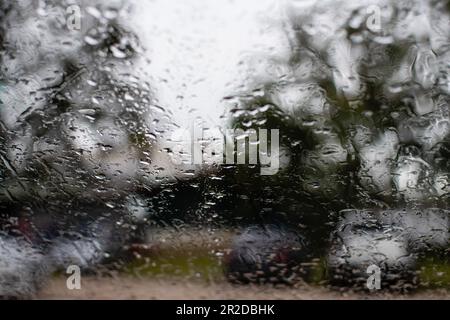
(434, 274)
(188, 265)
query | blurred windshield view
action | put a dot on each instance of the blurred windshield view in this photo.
(201, 149)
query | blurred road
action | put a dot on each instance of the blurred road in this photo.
(135, 288)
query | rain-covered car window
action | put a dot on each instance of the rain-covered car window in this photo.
(200, 149)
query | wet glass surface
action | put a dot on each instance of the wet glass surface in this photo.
(176, 148)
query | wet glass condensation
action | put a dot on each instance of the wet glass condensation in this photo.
(90, 172)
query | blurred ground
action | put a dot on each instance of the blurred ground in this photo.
(187, 264)
(126, 287)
